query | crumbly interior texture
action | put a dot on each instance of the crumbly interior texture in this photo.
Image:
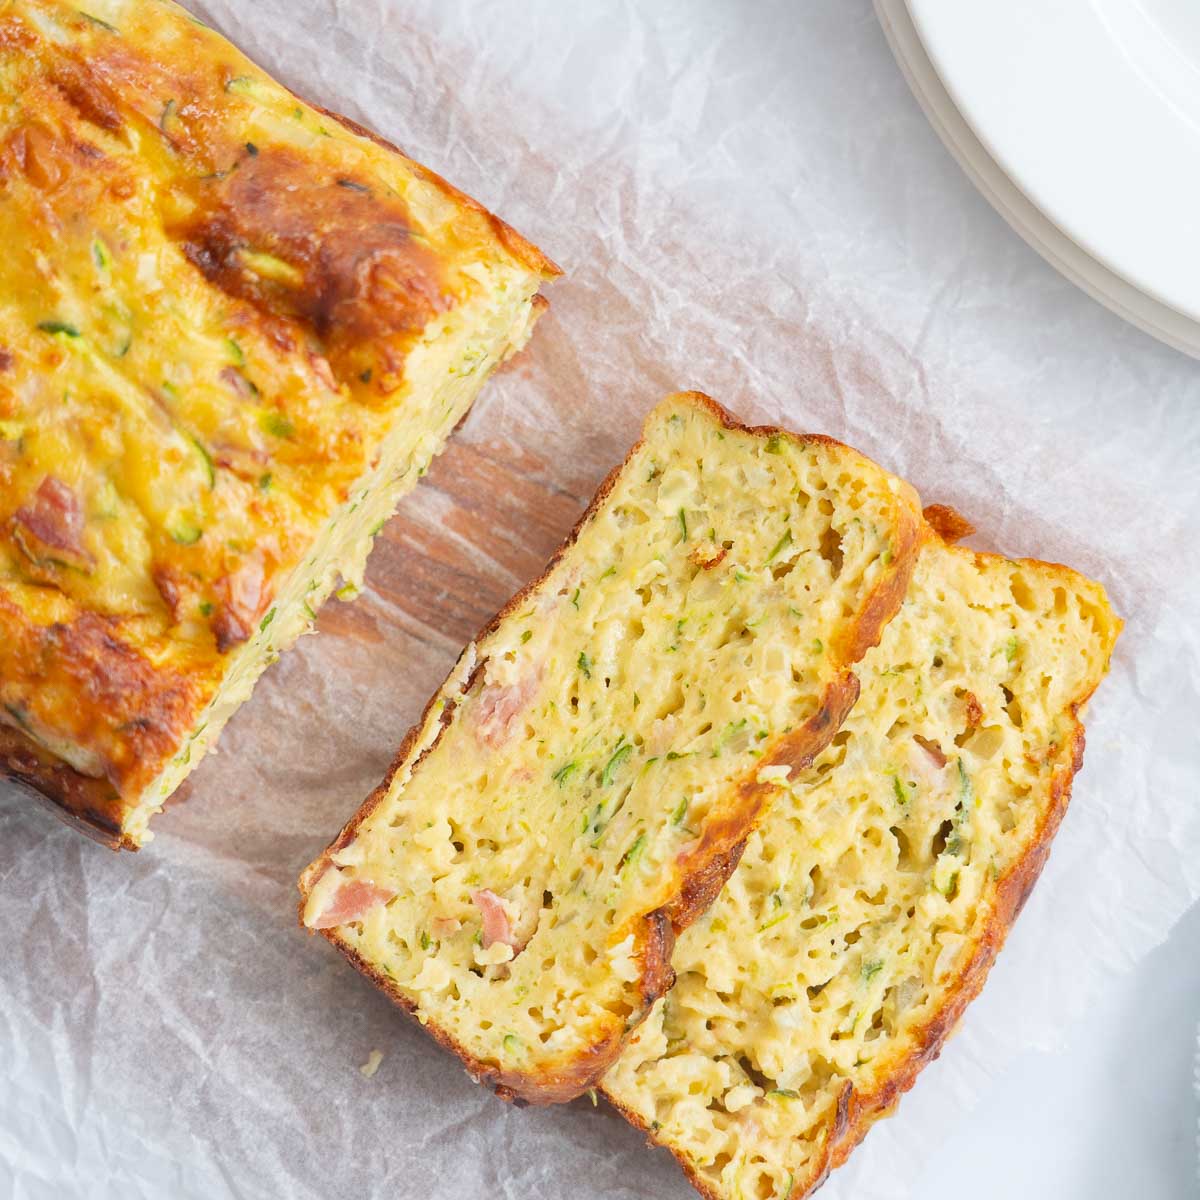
(233, 332)
(591, 750)
(867, 905)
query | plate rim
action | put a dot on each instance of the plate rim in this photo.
(1104, 285)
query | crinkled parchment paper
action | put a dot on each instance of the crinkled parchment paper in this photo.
(746, 200)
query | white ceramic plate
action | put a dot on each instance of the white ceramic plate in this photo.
(1080, 121)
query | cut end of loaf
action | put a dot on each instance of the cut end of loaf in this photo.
(234, 331)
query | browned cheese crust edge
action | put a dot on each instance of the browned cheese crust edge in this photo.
(711, 864)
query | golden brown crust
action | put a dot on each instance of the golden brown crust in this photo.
(88, 805)
(523, 250)
(130, 711)
(710, 864)
(356, 271)
(882, 603)
(707, 866)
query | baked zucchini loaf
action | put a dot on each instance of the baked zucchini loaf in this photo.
(233, 331)
(872, 899)
(585, 779)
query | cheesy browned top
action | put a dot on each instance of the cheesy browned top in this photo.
(208, 294)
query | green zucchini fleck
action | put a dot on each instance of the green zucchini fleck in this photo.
(781, 545)
(565, 772)
(425, 942)
(185, 532)
(730, 731)
(100, 255)
(966, 791)
(616, 761)
(585, 665)
(631, 856)
(210, 470)
(58, 328)
(683, 536)
(87, 16)
(774, 444)
(266, 620)
(680, 812)
(276, 424)
(248, 85)
(783, 916)
(595, 823)
(871, 968)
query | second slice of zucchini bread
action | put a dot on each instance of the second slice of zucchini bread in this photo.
(873, 898)
(583, 783)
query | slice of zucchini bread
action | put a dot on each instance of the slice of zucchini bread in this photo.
(584, 781)
(872, 899)
(233, 331)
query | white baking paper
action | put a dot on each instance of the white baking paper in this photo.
(746, 200)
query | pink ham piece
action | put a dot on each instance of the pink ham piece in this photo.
(237, 382)
(934, 751)
(352, 900)
(50, 526)
(500, 705)
(495, 920)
